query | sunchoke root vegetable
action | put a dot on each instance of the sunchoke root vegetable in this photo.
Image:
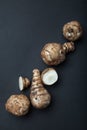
(18, 105)
(39, 96)
(55, 53)
(23, 83)
(49, 76)
(72, 30)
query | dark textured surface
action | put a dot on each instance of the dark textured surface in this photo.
(25, 27)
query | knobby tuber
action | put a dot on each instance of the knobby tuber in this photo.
(72, 30)
(55, 53)
(18, 104)
(39, 96)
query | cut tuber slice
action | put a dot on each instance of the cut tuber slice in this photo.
(49, 76)
(23, 83)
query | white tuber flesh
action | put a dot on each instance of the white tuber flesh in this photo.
(49, 76)
(21, 83)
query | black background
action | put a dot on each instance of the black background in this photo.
(25, 27)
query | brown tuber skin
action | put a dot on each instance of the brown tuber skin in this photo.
(18, 105)
(72, 30)
(26, 82)
(39, 96)
(55, 53)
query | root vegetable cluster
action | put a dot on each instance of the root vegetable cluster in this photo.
(51, 54)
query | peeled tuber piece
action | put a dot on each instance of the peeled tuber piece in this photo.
(72, 30)
(23, 83)
(55, 53)
(39, 96)
(18, 105)
(49, 76)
